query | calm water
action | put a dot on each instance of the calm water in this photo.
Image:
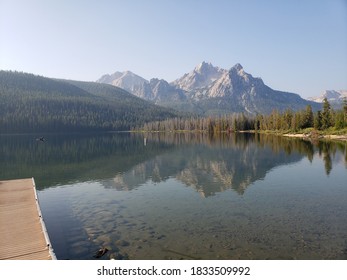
(186, 196)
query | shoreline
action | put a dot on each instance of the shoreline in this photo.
(306, 136)
(309, 136)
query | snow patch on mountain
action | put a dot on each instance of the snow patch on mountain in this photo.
(333, 96)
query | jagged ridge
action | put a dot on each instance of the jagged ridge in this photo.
(212, 90)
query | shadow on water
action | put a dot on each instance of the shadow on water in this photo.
(64, 159)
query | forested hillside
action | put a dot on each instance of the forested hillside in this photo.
(288, 121)
(30, 103)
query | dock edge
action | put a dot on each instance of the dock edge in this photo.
(44, 229)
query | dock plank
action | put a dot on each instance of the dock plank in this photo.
(22, 231)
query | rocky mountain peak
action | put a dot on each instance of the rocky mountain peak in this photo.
(126, 80)
(204, 67)
(210, 90)
(108, 79)
(238, 75)
(334, 94)
(335, 97)
(157, 84)
(202, 75)
(237, 67)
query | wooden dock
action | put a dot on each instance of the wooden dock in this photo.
(23, 234)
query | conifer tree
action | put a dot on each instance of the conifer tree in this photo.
(308, 117)
(318, 120)
(345, 111)
(326, 114)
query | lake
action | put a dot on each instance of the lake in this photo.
(186, 196)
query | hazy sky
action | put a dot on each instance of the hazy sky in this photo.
(298, 45)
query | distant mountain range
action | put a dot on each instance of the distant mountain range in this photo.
(211, 90)
(335, 97)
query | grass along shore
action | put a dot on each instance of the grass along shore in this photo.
(311, 133)
(308, 133)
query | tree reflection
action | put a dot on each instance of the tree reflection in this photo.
(122, 161)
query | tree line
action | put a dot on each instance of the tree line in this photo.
(30, 103)
(288, 120)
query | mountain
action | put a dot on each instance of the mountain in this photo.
(210, 90)
(155, 90)
(163, 92)
(335, 97)
(203, 75)
(238, 91)
(30, 103)
(128, 81)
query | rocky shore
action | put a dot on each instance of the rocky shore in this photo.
(314, 136)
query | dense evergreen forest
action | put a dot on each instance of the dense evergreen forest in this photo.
(288, 121)
(30, 103)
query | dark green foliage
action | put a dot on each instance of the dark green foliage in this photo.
(276, 121)
(318, 120)
(307, 117)
(30, 103)
(326, 115)
(295, 121)
(339, 120)
(212, 124)
(345, 110)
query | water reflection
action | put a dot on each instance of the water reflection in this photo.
(125, 161)
(267, 197)
(213, 165)
(64, 159)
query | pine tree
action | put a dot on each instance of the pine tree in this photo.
(326, 114)
(308, 117)
(318, 120)
(345, 111)
(339, 120)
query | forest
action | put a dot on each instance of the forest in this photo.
(31, 104)
(287, 121)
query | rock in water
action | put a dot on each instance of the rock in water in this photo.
(100, 252)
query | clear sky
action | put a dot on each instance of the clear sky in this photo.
(296, 45)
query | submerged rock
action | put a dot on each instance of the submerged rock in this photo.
(99, 253)
(122, 243)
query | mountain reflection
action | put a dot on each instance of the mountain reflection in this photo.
(212, 165)
(209, 165)
(126, 161)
